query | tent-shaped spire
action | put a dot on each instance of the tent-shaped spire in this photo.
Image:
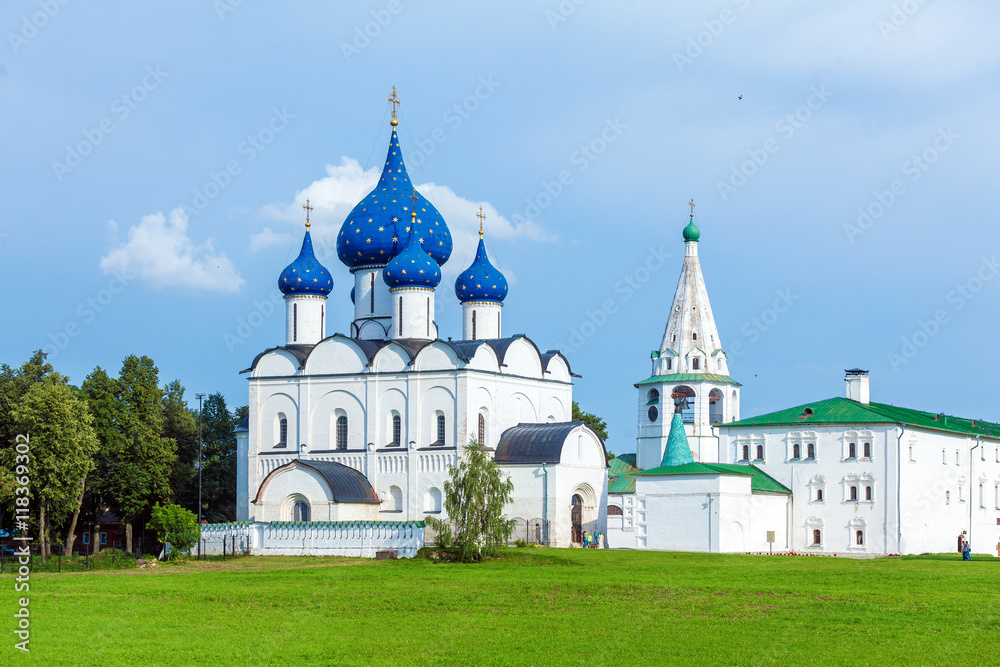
(678, 451)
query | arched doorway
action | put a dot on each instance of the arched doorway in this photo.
(576, 518)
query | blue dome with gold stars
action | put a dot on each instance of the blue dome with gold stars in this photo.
(305, 275)
(413, 267)
(481, 281)
(375, 230)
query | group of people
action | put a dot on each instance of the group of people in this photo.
(593, 540)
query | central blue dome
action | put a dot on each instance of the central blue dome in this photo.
(375, 230)
(481, 281)
(305, 275)
(413, 267)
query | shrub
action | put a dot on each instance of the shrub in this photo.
(176, 525)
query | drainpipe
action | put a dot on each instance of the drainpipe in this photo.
(974, 447)
(545, 504)
(899, 483)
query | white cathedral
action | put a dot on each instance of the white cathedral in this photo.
(364, 426)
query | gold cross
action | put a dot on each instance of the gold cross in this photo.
(393, 100)
(413, 213)
(481, 216)
(308, 208)
(691, 204)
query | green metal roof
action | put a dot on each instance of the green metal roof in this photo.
(627, 458)
(622, 484)
(690, 377)
(760, 481)
(846, 411)
(621, 474)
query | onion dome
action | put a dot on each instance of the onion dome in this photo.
(305, 275)
(374, 231)
(691, 232)
(413, 267)
(481, 281)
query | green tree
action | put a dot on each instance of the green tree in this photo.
(180, 424)
(101, 394)
(219, 460)
(139, 458)
(591, 420)
(176, 525)
(14, 384)
(475, 499)
(63, 443)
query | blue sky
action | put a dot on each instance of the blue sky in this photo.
(785, 121)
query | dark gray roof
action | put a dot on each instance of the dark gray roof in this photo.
(244, 425)
(464, 349)
(534, 443)
(347, 485)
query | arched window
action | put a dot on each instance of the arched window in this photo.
(653, 397)
(282, 431)
(395, 499)
(614, 510)
(300, 511)
(397, 429)
(440, 429)
(854, 493)
(746, 452)
(947, 497)
(867, 450)
(796, 449)
(696, 364)
(852, 450)
(811, 451)
(295, 322)
(482, 429)
(715, 407)
(819, 495)
(473, 325)
(432, 501)
(399, 328)
(342, 432)
(817, 536)
(683, 398)
(982, 496)
(956, 457)
(670, 363)
(868, 493)
(943, 458)
(760, 452)
(694, 336)
(371, 295)
(859, 537)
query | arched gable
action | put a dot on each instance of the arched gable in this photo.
(485, 359)
(275, 407)
(437, 401)
(391, 359)
(337, 354)
(522, 358)
(275, 363)
(323, 419)
(436, 356)
(557, 368)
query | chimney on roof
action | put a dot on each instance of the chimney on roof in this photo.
(857, 385)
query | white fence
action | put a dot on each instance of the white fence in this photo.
(358, 539)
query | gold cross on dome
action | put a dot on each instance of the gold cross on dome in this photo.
(413, 212)
(308, 209)
(394, 101)
(482, 217)
(691, 204)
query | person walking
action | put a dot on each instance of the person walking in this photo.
(966, 550)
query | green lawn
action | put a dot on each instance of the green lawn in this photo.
(535, 607)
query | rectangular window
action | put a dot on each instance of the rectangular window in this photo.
(669, 363)
(810, 451)
(817, 537)
(696, 364)
(371, 296)
(295, 322)
(440, 429)
(86, 538)
(342, 432)
(867, 450)
(104, 539)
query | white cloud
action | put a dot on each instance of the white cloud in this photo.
(334, 195)
(267, 239)
(160, 252)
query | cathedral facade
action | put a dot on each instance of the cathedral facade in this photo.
(366, 425)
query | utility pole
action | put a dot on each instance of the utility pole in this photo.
(200, 397)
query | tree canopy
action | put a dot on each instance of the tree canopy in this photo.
(591, 420)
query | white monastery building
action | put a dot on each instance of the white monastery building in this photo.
(364, 426)
(836, 476)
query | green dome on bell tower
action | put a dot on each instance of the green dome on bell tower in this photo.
(691, 232)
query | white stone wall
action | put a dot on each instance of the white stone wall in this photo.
(372, 317)
(355, 539)
(488, 320)
(417, 307)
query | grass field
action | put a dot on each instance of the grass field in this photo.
(533, 607)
